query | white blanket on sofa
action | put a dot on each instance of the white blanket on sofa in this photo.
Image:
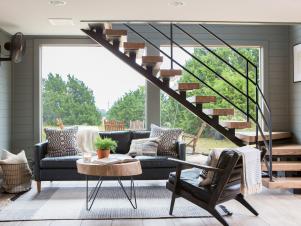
(86, 139)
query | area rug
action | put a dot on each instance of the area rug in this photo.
(67, 201)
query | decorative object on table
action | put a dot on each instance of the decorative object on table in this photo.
(193, 139)
(104, 146)
(59, 123)
(297, 62)
(119, 170)
(168, 139)
(113, 159)
(113, 125)
(146, 147)
(137, 125)
(87, 157)
(16, 172)
(61, 142)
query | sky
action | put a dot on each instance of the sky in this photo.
(100, 70)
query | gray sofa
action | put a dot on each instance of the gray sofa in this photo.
(64, 168)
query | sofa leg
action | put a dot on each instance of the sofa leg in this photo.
(39, 186)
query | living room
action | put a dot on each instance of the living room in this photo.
(115, 118)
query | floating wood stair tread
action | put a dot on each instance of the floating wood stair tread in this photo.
(170, 73)
(282, 182)
(219, 112)
(100, 26)
(284, 166)
(202, 99)
(188, 86)
(250, 137)
(152, 61)
(236, 124)
(136, 48)
(286, 149)
(115, 33)
(133, 45)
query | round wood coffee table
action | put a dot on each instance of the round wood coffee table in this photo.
(118, 170)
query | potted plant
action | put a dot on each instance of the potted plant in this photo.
(104, 146)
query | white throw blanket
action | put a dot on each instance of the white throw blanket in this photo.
(86, 139)
(251, 176)
(251, 181)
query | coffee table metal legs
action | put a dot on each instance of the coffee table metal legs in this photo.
(90, 197)
(129, 197)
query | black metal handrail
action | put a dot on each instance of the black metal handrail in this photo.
(267, 121)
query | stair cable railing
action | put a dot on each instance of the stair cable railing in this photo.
(267, 121)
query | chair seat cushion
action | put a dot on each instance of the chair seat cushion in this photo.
(156, 162)
(64, 162)
(189, 182)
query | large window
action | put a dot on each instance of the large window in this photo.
(174, 115)
(83, 85)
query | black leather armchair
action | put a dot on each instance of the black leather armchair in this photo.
(225, 184)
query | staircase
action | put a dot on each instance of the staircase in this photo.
(116, 41)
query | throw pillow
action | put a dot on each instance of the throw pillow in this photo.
(16, 173)
(168, 139)
(147, 146)
(61, 142)
(212, 160)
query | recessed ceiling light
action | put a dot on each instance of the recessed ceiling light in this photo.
(57, 3)
(177, 3)
(61, 21)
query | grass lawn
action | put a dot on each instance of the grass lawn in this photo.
(205, 144)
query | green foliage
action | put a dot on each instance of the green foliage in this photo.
(129, 107)
(72, 101)
(105, 144)
(174, 115)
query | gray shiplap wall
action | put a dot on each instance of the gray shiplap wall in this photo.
(294, 88)
(5, 97)
(23, 105)
(274, 39)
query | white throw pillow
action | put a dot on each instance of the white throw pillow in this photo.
(147, 146)
(16, 172)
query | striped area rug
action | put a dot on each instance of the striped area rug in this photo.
(66, 200)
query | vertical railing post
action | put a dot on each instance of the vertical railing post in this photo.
(256, 116)
(247, 90)
(171, 46)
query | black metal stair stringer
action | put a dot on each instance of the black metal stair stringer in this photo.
(99, 38)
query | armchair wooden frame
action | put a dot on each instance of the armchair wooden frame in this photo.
(226, 178)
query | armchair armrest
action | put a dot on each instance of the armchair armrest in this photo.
(209, 168)
(39, 153)
(181, 148)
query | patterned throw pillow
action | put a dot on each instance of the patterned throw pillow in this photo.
(168, 139)
(147, 146)
(61, 142)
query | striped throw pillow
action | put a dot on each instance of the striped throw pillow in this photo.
(147, 146)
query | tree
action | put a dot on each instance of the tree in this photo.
(72, 101)
(129, 107)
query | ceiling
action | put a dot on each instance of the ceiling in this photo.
(31, 16)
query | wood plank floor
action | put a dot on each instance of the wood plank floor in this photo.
(275, 207)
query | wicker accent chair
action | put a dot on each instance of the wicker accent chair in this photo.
(225, 185)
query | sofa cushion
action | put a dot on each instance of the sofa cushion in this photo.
(140, 134)
(123, 139)
(156, 162)
(189, 181)
(64, 162)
